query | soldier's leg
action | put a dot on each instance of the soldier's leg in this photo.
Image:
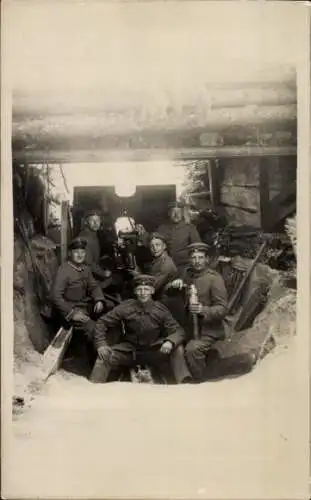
(179, 365)
(120, 355)
(196, 351)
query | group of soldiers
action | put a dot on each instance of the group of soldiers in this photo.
(163, 326)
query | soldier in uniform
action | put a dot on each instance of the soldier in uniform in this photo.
(93, 250)
(210, 308)
(178, 234)
(152, 337)
(161, 266)
(74, 288)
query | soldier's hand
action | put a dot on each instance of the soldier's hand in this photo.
(166, 347)
(196, 308)
(177, 284)
(99, 307)
(80, 317)
(104, 352)
(107, 273)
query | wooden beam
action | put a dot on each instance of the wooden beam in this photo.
(264, 192)
(100, 156)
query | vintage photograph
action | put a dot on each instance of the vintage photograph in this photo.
(154, 238)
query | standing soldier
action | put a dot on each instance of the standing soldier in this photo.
(93, 250)
(74, 287)
(152, 337)
(178, 234)
(208, 310)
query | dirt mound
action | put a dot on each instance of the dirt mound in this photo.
(31, 334)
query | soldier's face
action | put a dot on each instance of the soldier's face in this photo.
(176, 214)
(78, 255)
(144, 293)
(94, 222)
(157, 247)
(199, 260)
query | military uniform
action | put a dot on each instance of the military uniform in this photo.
(164, 270)
(74, 285)
(93, 253)
(178, 237)
(147, 327)
(212, 295)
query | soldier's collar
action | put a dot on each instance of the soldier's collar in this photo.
(147, 306)
(76, 266)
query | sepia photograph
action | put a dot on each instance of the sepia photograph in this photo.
(152, 159)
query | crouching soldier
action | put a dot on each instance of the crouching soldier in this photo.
(209, 308)
(74, 288)
(151, 336)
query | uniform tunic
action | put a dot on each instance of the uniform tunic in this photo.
(212, 295)
(178, 237)
(147, 327)
(72, 286)
(164, 270)
(93, 252)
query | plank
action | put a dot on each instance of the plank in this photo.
(53, 355)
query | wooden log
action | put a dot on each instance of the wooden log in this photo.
(55, 156)
(86, 125)
(121, 100)
(239, 197)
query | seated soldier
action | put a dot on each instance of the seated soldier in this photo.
(74, 287)
(210, 308)
(93, 250)
(161, 266)
(152, 337)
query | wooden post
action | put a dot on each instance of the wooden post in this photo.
(214, 186)
(263, 165)
(64, 230)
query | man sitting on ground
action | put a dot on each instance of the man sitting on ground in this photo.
(152, 336)
(210, 309)
(74, 288)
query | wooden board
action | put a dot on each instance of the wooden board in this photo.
(53, 356)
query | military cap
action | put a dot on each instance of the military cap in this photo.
(77, 243)
(158, 236)
(198, 247)
(92, 211)
(144, 280)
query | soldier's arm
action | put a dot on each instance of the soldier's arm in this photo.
(218, 310)
(58, 290)
(194, 236)
(167, 274)
(112, 319)
(173, 332)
